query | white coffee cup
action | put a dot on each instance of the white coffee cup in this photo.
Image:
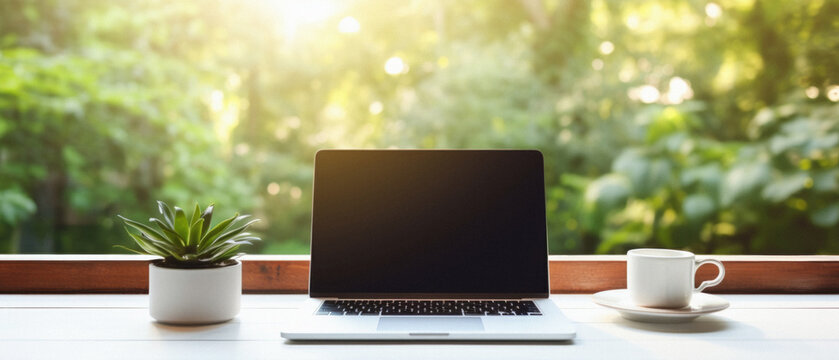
(664, 278)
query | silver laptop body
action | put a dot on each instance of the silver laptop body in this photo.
(429, 245)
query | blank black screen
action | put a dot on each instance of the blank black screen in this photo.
(422, 223)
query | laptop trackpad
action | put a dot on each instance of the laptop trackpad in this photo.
(431, 324)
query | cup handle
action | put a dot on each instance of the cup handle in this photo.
(709, 283)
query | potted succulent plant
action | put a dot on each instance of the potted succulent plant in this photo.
(198, 279)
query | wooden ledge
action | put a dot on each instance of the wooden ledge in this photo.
(290, 273)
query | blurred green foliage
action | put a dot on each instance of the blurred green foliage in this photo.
(691, 124)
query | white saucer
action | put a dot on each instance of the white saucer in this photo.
(700, 304)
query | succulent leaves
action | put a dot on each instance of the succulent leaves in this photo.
(193, 242)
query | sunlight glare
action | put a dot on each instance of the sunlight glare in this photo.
(349, 25)
(292, 122)
(298, 13)
(626, 74)
(443, 62)
(633, 21)
(376, 108)
(217, 101)
(233, 81)
(833, 93)
(713, 10)
(225, 112)
(648, 94)
(395, 66)
(607, 47)
(678, 91)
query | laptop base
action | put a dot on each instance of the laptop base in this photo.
(551, 326)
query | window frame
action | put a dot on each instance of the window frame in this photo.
(289, 274)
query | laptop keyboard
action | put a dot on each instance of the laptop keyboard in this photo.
(429, 307)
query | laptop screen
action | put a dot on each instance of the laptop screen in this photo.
(428, 224)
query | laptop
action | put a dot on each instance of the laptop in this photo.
(429, 245)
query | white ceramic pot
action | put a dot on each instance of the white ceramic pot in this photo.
(195, 296)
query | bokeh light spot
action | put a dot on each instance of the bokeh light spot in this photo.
(349, 25)
(217, 101)
(242, 149)
(648, 94)
(679, 90)
(376, 108)
(833, 93)
(395, 66)
(295, 193)
(443, 62)
(607, 47)
(713, 10)
(633, 21)
(273, 188)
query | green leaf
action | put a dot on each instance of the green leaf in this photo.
(742, 181)
(786, 141)
(827, 216)
(147, 247)
(229, 255)
(174, 237)
(236, 231)
(241, 217)
(826, 181)
(825, 142)
(245, 236)
(196, 214)
(782, 188)
(208, 217)
(167, 213)
(224, 252)
(698, 207)
(215, 248)
(669, 121)
(647, 175)
(227, 236)
(181, 225)
(165, 247)
(707, 176)
(15, 206)
(195, 232)
(146, 242)
(143, 228)
(608, 192)
(210, 237)
(212, 249)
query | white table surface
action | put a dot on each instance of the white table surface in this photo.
(119, 327)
